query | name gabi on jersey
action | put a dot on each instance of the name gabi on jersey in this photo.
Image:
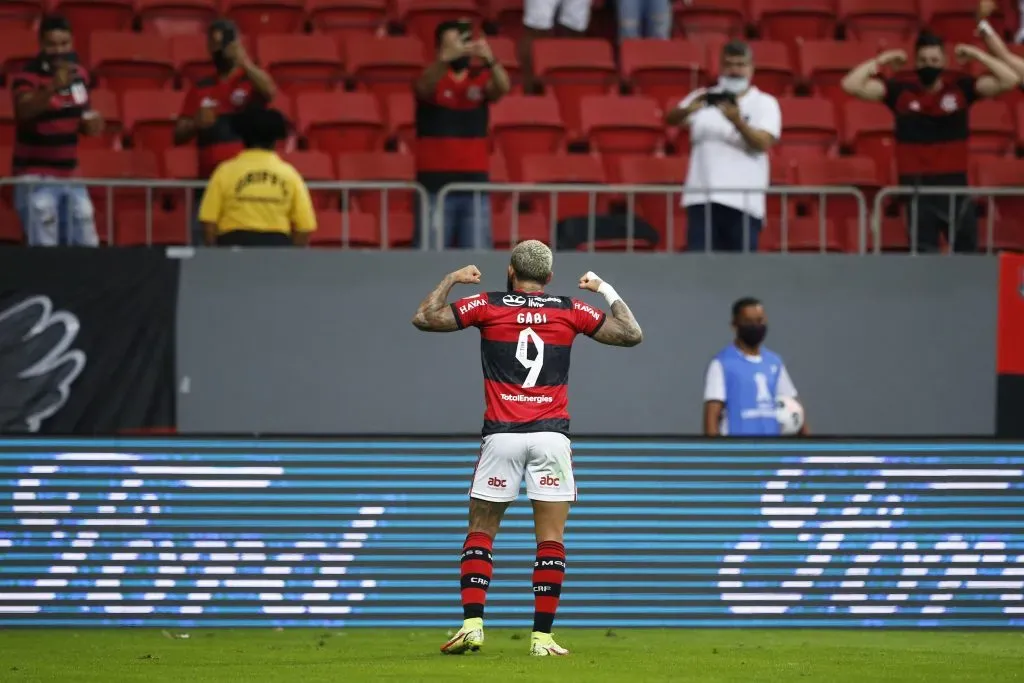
(580, 306)
(531, 318)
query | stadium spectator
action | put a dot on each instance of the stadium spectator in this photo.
(257, 199)
(744, 380)
(644, 19)
(453, 98)
(51, 108)
(206, 113)
(732, 126)
(539, 21)
(992, 40)
(930, 106)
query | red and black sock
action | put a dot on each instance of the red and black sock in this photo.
(548, 574)
(477, 569)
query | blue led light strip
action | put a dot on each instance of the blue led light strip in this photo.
(181, 532)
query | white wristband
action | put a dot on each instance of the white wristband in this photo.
(606, 290)
(985, 28)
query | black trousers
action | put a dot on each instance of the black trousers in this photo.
(253, 238)
(937, 215)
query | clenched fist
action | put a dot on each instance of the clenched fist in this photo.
(590, 281)
(469, 275)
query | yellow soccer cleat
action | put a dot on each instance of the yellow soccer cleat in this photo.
(544, 645)
(469, 638)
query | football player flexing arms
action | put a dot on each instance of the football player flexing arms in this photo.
(526, 336)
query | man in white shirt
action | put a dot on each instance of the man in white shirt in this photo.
(732, 126)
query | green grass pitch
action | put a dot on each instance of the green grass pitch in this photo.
(620, 656)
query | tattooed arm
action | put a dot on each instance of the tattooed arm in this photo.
(620, 328)
(435, 314)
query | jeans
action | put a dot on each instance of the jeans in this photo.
(461, 227)
(53, 215)
(727, 227)
(645, 19)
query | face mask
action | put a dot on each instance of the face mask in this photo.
(734, 84)
(460, 64)
(928, 75)
(48, 61)
(751, 335)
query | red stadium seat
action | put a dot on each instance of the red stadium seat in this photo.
(337, 123)
(176, 17)
(131, 61)
(561, 169)
(384, 65)
(868, 132)
(954, 20)
(7, 122)
(507, 15)
(19, 14)
(802, 235)
(808, 127)
(858, 172)
(17, 47)
(401, 119)
(775, 73)
(664, 69)
(993, 131)
(301, 63)
(1007, 218)
(89, 16)
(420, 17)
(509, 229)
(380, 167)
(617, 126)
(105, 102)
(523, 125)
(787, 21)
(314, 166)
(700, 18)
(879, 20)
(824, 63)
(119, 165)
(506, 54)
(130, 227)
(352, 229)
(347, 17)
(572, 68)
(10, 225)
(256, 17)
(180, 163)
(657, 209)
(150, 117)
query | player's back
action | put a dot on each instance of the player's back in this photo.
(525, 344)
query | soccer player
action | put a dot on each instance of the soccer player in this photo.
(745, 379)
(525, 340)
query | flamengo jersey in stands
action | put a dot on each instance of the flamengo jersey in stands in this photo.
(525, 341)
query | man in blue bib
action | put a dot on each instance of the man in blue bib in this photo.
(745, 380)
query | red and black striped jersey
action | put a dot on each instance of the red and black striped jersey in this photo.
(48, 145)
(525, 342)
(932, 127)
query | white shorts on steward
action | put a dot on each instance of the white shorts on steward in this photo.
(544, 458)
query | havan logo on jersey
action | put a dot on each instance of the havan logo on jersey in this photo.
(580, 306)
(476, 303)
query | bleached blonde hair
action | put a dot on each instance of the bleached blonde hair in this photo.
(532, 260)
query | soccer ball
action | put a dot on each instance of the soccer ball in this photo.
(790, 415)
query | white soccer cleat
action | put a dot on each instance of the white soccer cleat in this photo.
(469, 638)
(544, 645)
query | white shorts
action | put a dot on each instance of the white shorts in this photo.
(540, 14)
(545, 458)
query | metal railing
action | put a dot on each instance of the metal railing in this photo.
(631, 191)
(956, 195)
(151, 186)
(431, 230)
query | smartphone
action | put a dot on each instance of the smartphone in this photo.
(465, 31)
(714, 98)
